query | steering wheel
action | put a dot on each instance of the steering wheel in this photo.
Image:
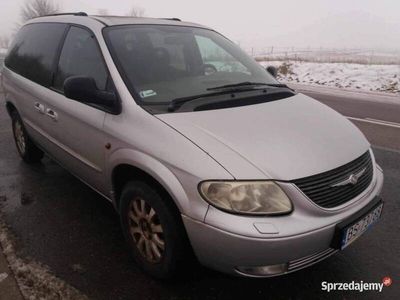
(209, 69)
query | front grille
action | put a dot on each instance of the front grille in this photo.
(319, 187)
(303, 262)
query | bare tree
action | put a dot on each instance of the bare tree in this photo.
(37, 8)
(4, 41)
(136, 11)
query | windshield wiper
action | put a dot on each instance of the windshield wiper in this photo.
(176, 103)
(246, 84)
(221, 90)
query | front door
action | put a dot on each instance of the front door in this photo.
(77, 128)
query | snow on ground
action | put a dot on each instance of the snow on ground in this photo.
(383, 78)
(329, 55)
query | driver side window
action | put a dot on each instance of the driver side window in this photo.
(80, 56)
(213, 54)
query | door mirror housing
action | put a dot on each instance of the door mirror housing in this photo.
(272, 70)
(84, 89)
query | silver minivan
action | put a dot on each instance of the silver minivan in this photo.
(203, 153)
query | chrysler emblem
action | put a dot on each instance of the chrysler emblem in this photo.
(353, 179)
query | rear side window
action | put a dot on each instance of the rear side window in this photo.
(81, 56)
(33, 51)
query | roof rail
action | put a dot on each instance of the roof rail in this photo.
(80, 13)
(172, 19)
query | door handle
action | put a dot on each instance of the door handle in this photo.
(39, 107)
(52, 114)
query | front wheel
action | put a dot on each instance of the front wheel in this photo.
(153, 230)
(28, 151)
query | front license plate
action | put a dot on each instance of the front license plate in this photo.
(355, 230)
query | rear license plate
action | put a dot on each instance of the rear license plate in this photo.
(356, 229)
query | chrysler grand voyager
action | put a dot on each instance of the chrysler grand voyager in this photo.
(200, 149)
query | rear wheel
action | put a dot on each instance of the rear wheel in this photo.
(28, 151)
(153, 230)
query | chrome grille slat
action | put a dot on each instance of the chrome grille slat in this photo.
(345, 195)
(323, 183)
(310, 260)
(334, 191)
(318, 187)
(312, 180)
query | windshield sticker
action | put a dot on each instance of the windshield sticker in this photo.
(147, 93)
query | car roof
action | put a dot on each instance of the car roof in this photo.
(119, 20)
(80, 18)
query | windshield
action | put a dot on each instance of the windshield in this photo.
(160, 63)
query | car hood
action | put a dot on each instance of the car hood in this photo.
(286, 139)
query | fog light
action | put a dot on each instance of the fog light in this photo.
(271, 270)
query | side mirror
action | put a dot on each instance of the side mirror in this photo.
(272, 70)
(84, 89)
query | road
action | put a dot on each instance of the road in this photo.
(61, 223)
(379, 120)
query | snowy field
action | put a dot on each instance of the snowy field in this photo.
(358, 56)
(382, 78)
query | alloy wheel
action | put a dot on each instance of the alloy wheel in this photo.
(20, 137)
(146, 230)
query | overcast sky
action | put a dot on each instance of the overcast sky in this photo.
(261, 23)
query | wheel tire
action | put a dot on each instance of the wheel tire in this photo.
(174, 255)
(28, 151)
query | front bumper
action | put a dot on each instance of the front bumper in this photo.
(231, 243)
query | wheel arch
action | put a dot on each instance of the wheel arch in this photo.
(128, 164)
(123, 173)
(10, 108)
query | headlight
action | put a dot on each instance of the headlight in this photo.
(246, 197)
